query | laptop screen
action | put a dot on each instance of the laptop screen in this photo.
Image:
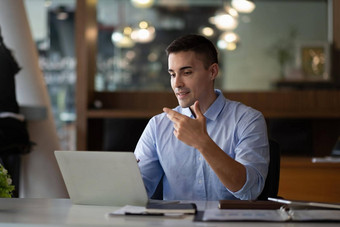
(102, 178)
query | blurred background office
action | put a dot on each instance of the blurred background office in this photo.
(260, 48)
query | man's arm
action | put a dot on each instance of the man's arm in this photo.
(148, 162)
(193, 132)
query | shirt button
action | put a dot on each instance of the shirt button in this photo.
(200, 158)
(200, 181)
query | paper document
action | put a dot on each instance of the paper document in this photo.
(315, 215)
(245, 215)
(279, 215)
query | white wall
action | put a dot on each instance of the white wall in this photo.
(250, 66)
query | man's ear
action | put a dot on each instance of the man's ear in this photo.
(214, 71)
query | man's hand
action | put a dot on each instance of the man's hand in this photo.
(190, 131)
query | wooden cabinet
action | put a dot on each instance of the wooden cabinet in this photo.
(319, 109)
(301, 179)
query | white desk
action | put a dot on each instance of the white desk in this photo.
(60, 212)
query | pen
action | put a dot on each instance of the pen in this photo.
(144, 214)
(301, 203)
(279, 200)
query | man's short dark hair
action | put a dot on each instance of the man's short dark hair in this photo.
(196, 43)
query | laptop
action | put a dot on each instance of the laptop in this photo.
(102, 178)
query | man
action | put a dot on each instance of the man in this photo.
(208, 147)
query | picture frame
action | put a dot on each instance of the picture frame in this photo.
(313, 60)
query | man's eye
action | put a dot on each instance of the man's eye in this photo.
(187, 73)
(172, 74)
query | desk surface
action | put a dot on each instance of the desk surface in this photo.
(60, 212)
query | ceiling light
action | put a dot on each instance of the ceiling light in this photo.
(231, 46)
(221, 44)
(228, 41)
(142, 3)
(243, 6)
(122, 39)
(230, 10)
(143, 24)
(224, 21)
(144, 33)
(207, 31)
(230, 37)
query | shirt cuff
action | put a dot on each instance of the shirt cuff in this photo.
(247, 191)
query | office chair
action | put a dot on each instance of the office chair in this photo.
(271, 186)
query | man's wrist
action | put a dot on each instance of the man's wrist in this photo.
(205, 144)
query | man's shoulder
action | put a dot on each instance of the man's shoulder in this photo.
(157, 118)
(240, 108)
(233, 105)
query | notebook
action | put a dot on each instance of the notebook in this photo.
(102, 178)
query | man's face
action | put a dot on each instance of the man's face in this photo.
(190, 80)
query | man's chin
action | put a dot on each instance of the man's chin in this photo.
(184, 104)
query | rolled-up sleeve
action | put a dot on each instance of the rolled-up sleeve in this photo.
(252, 151)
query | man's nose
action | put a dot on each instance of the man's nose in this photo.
(178, 82)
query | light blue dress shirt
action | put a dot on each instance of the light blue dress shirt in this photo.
(238, 130)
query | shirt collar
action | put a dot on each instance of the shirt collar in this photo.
(213, 111)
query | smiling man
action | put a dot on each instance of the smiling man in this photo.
(208, 147)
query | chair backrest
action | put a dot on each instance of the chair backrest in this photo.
(271, 186)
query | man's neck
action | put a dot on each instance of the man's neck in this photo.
(204, 105)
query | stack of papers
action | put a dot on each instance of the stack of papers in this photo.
(268, 211)
(280, 215)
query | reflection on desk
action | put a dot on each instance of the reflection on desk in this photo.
(61, 212)
(327, 159)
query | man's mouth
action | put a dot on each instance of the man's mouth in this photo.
(182, 94)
